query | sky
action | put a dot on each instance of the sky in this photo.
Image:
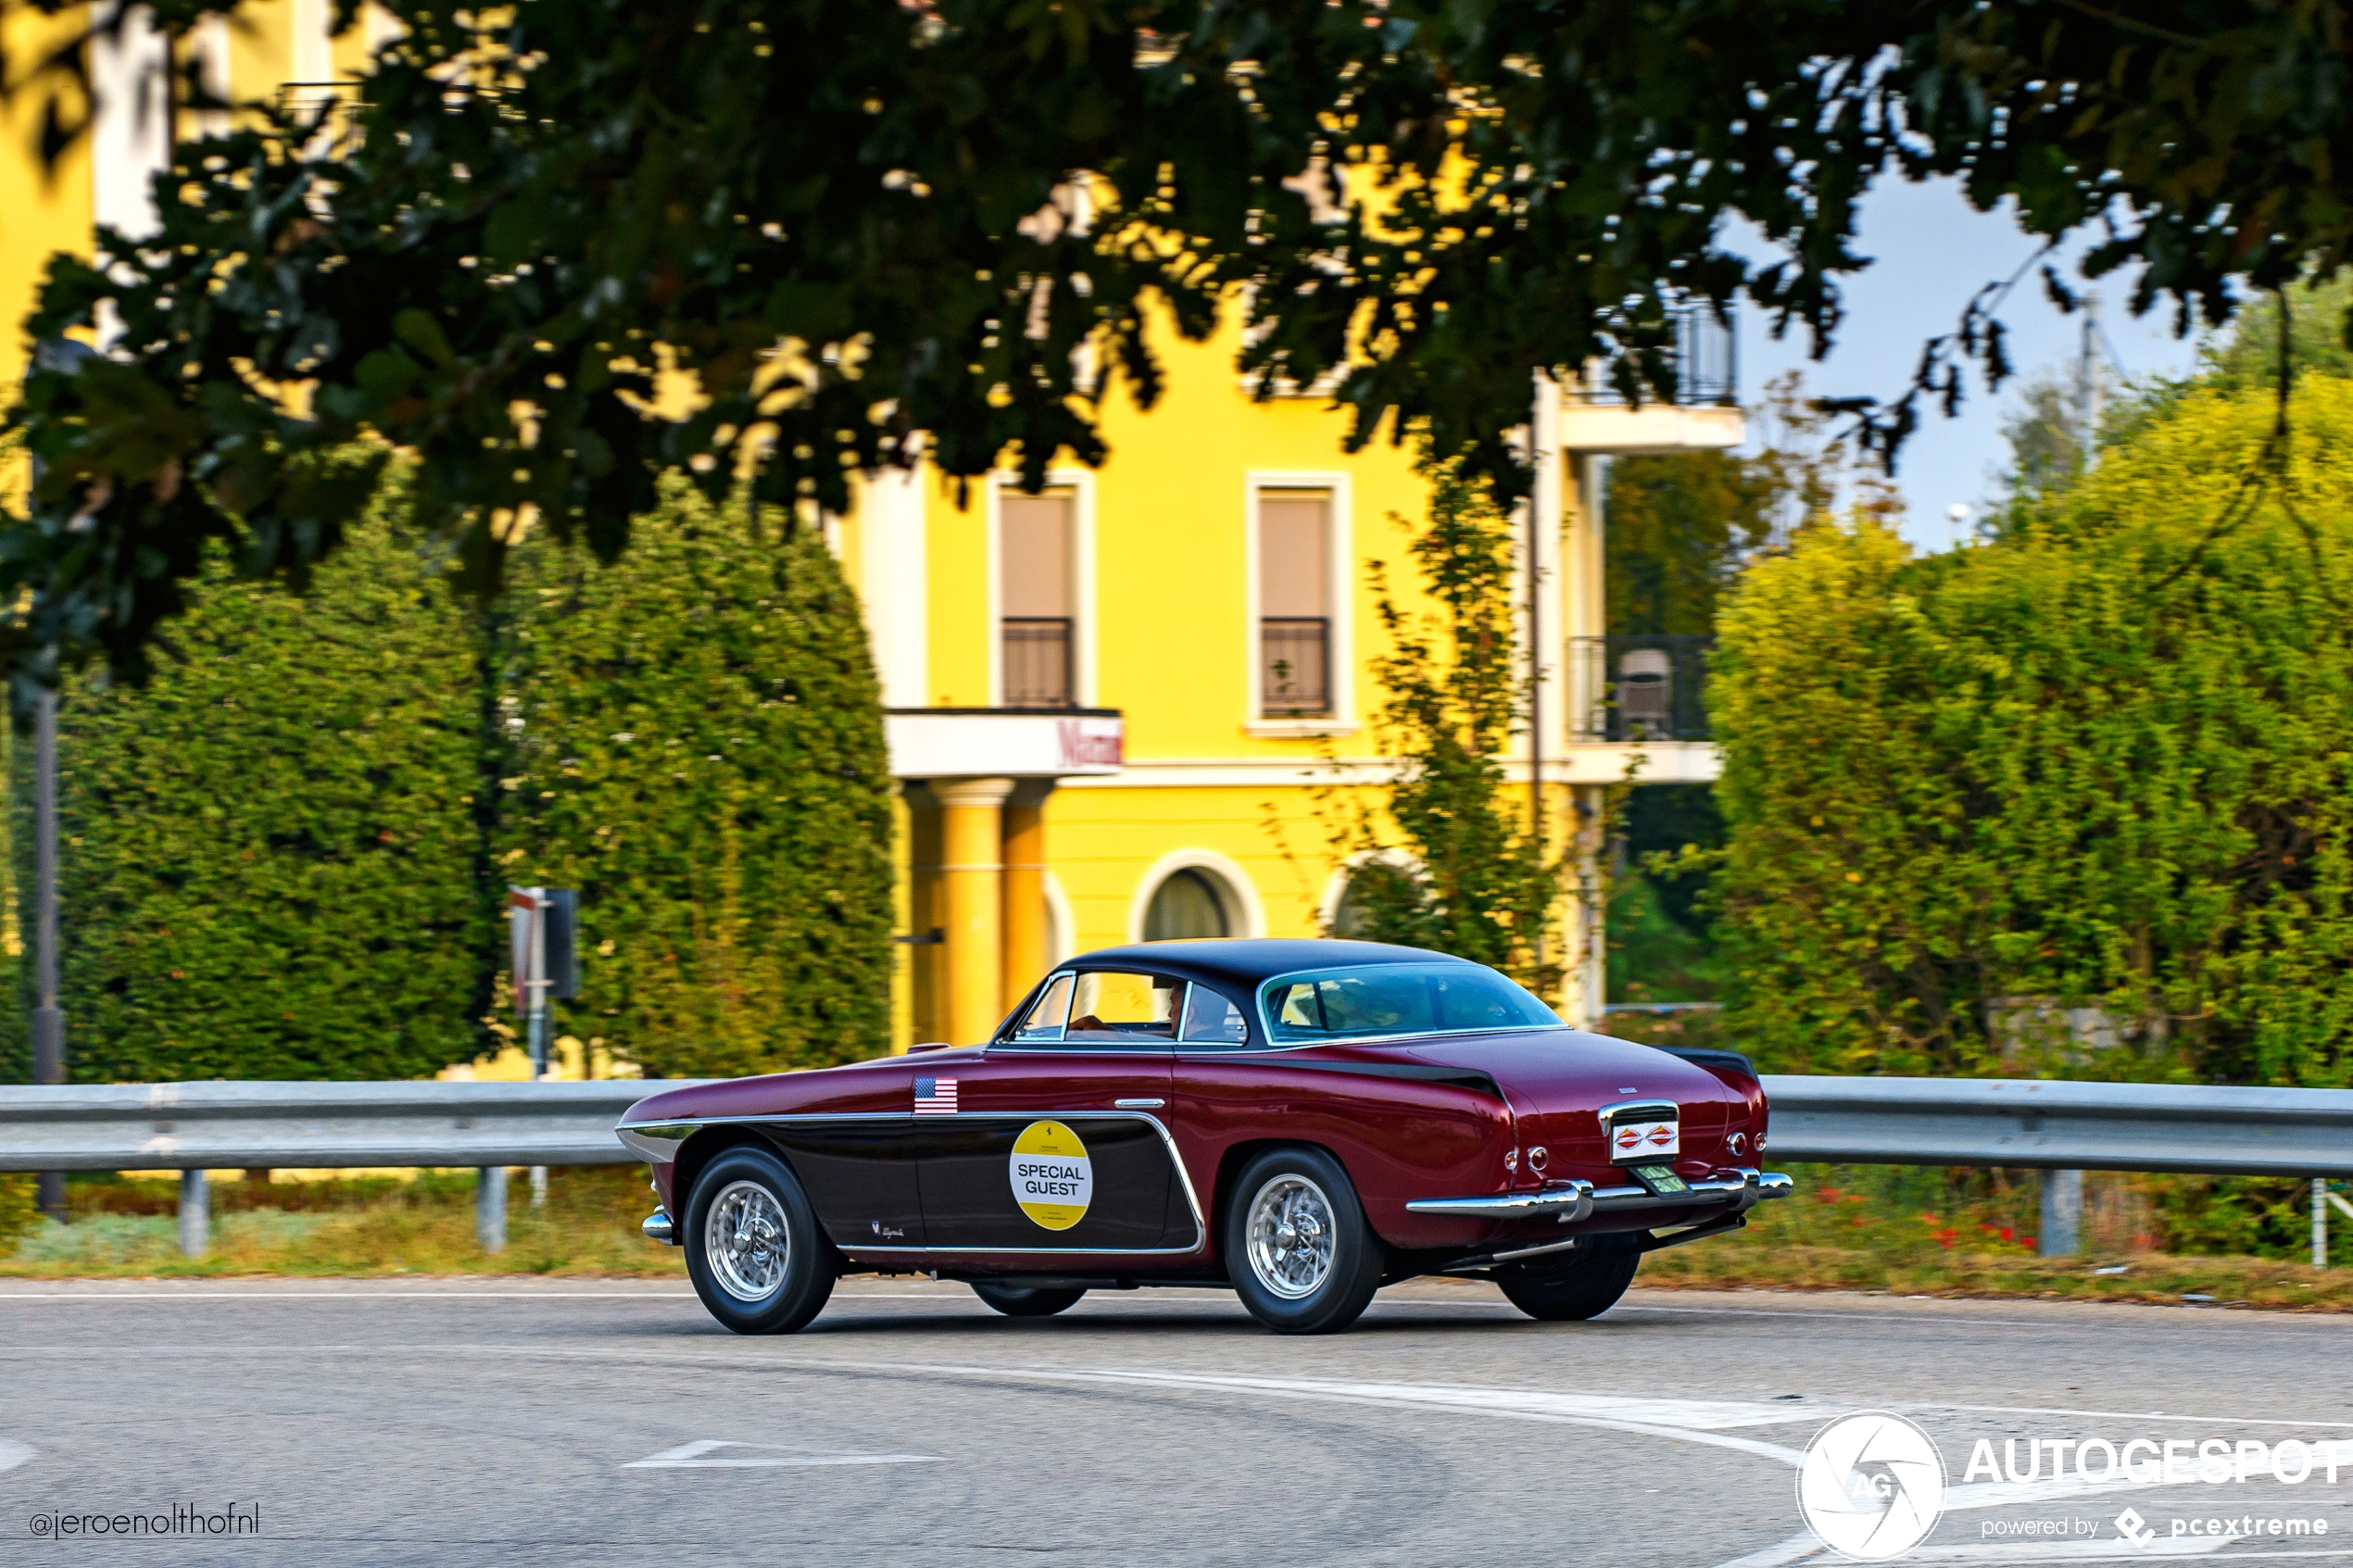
(1932, 252)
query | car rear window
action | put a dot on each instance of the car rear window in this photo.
(1409, 998)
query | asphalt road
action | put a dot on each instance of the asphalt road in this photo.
(458, 1422)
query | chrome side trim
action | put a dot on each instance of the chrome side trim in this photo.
(667, 1135)
(1570, 1202)
(1140, 1104)
(1277, 1048)
(659, 1228)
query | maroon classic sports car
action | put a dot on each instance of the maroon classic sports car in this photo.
(1302, 1120)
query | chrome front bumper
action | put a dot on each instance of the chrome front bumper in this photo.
(659, 1228)
(1572, 1201)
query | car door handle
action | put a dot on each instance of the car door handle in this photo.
(1140, 1104)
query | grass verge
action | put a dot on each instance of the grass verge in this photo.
(377, 1226)
(1839, 1233)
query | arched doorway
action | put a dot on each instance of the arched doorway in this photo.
(1186, 905)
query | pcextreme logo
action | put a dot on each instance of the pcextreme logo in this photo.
(1872, 1485)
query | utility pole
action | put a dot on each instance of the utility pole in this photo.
(2091, 384)
(48, 1019)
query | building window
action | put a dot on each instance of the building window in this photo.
(1185, 906)
(1035, 597)
(1294, 609)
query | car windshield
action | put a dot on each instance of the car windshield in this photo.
(1407, 999)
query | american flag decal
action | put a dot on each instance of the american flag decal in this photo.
(935, 1097)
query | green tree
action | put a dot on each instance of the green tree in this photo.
(2074, 801)
(852, 227)
(2248, 356)
(271, 861)
(1479, 883)
(698, 748)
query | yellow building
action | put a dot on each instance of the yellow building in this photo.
(1120, 708)
(1115, 705)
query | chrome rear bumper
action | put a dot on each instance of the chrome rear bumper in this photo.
(1572, 1201)
(659, 1228)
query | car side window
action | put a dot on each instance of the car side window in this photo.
(1045, 1020)
(1211, 1020)
(1118, 1008)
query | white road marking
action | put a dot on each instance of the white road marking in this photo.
(2130, 1415)
(2111, 1551)
(192, 1296)
(1154, 1297)
(1949, 1320)
(698, 1455)
(13, 1454)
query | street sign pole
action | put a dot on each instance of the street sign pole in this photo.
(48, 1019)
(543, 929)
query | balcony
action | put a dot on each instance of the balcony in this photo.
(1038, 661)
(1636, 688)
(1295, 668)
(1705, 358)
(1703, 413)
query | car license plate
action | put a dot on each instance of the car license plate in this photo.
(1660, 1180)
(1630, 1141)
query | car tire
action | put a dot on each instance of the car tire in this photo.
(1297, 1248)
(753, 1249)
(1025, 1300)
(1583, 1284)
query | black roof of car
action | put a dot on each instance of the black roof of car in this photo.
(1242, 962)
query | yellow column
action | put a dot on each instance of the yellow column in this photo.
(1027, 950)
(971, 884)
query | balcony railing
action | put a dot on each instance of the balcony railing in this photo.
(1638, 688)
(1294, 666)
(1037, 662)
(1704, 358)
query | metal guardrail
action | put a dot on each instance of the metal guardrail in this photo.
(2053, 1125)
(2022, 1123)
(2057, 1126)
(314, 1125)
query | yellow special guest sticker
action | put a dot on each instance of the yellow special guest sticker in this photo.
(1052, 1179)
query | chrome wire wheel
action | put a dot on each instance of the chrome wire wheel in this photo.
(745, 1239)
(1289, 1236)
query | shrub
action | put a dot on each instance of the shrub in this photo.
(698, 748)
(270, 856)
(2076, 801)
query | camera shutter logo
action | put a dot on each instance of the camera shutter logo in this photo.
(1872, 1485)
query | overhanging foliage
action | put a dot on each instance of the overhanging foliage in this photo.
(961, 220)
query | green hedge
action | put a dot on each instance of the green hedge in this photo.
(2102, 765)
(699, 749)
(269, 858)
(287, 857)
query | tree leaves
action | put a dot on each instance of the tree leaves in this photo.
(2074, 801)
(551, 206)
